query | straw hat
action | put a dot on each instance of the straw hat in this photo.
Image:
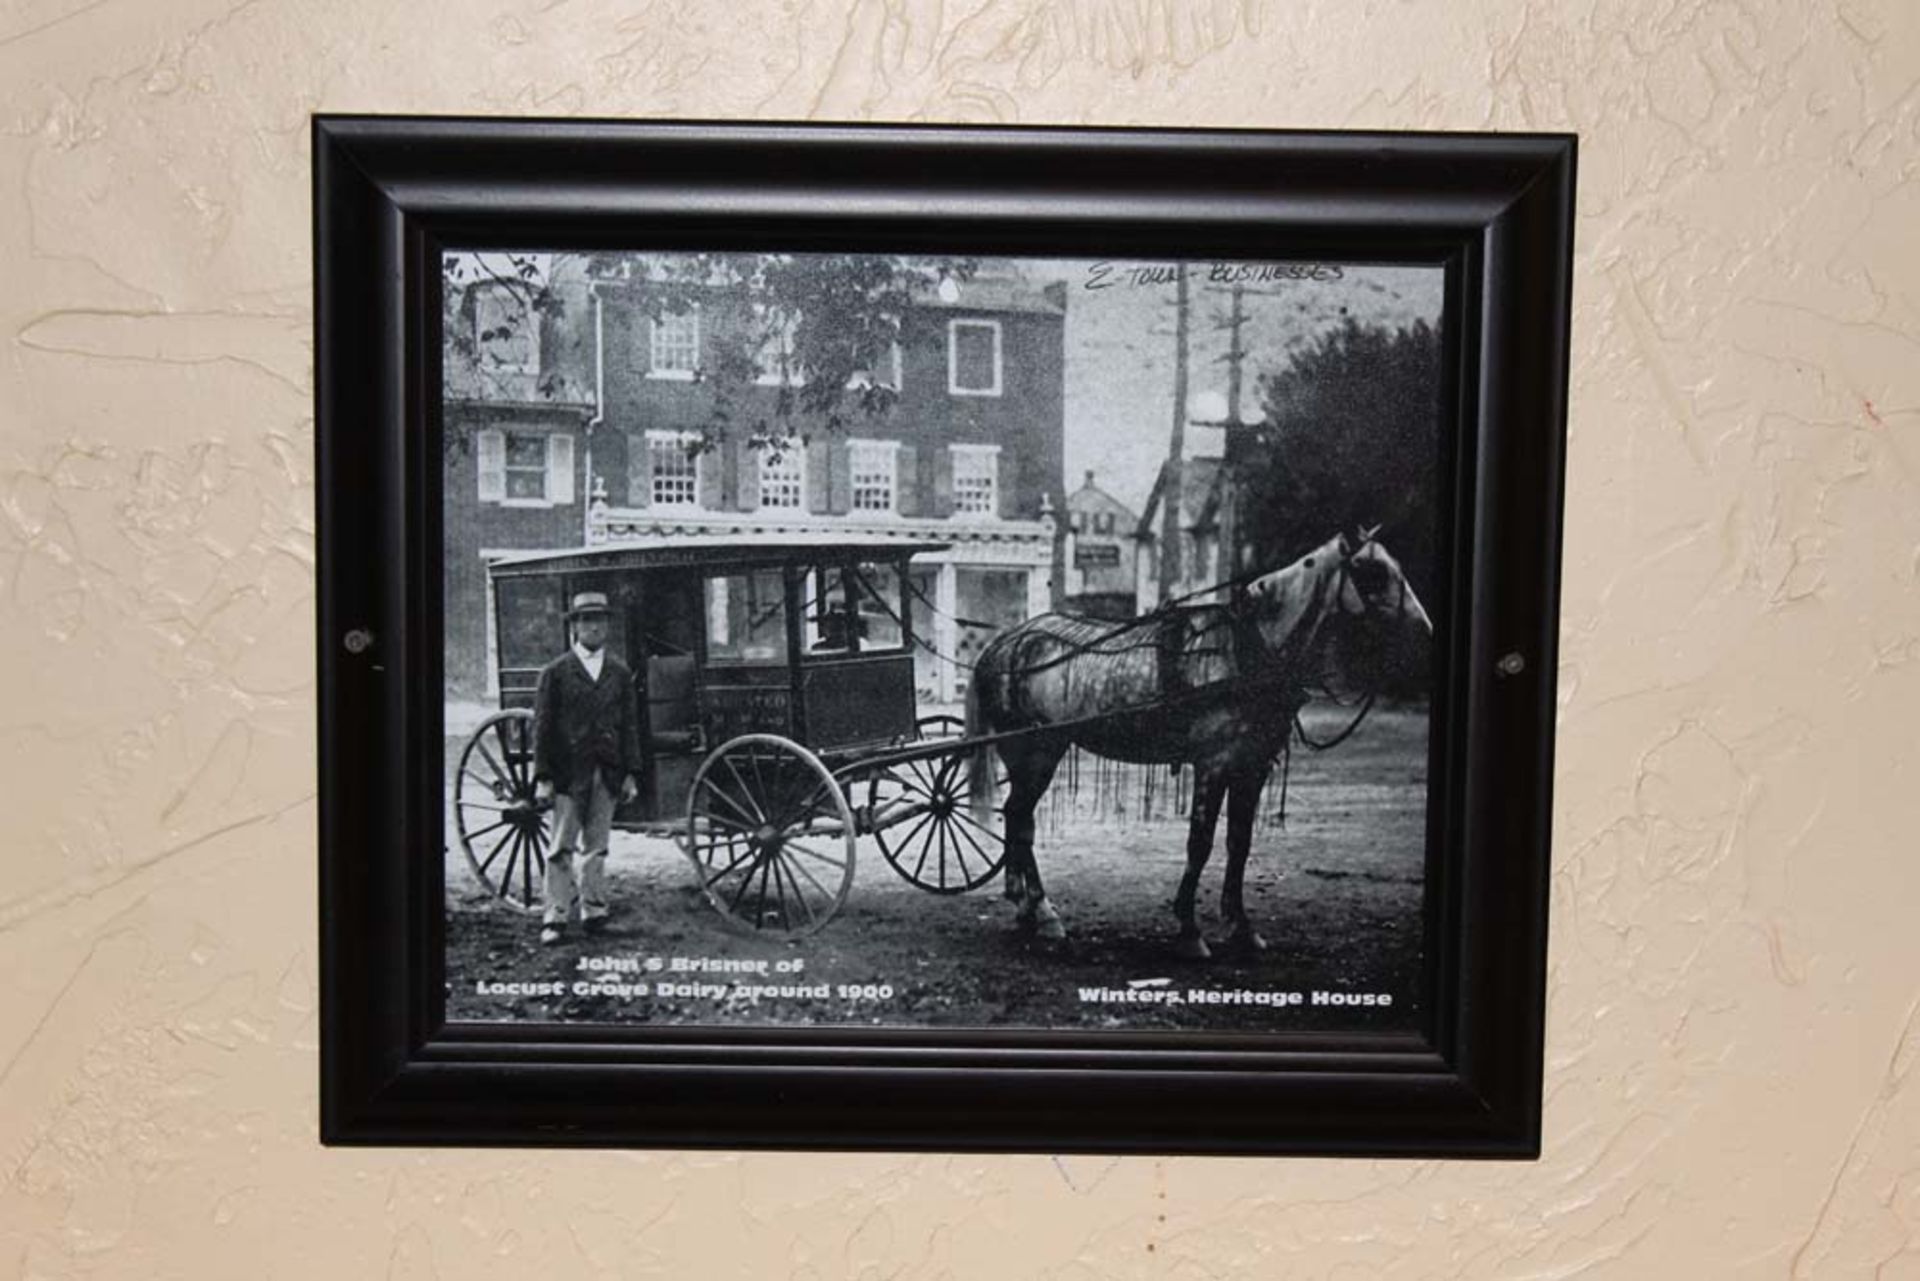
(588, 603)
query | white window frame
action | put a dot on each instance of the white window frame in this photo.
(864, 377)
(953, 358)
(556, 484)
(655, 329)
(489, 294)
(891, 448)
(676, 441)
(779, 328)
(990, 453)
(793, 454)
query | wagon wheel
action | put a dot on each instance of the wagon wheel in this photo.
(503, 829)
(770, 836)
(936, 842)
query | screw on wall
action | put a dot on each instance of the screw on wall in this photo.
(358, 641)
(1511, 664)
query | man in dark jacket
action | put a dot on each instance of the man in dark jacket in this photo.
(586, 751)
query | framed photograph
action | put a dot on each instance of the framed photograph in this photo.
(937, 638)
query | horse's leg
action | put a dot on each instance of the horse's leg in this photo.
(1029, 771)
(1243, 806)
(1208, 784)
(1017, 860)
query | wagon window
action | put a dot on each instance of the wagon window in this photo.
(823, 600)
(747, 618)
(877, 588)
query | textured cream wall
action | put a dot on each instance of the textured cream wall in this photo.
(1735, 963)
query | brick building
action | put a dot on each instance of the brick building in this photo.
(518, 396)
(968, 453)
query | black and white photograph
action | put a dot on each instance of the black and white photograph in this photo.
(873, 640)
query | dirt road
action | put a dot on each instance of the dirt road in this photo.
(1337, 892)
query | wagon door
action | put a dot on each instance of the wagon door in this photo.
(858, 675)
(666, 627)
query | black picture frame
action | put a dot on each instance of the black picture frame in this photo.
(1496, 210)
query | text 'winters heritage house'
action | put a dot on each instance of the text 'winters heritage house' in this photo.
(580, 411)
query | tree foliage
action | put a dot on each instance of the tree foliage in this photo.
(1351, 441)
(521, 283)
(830, 320)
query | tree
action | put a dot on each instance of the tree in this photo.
(829, 318)
(1351, 441)
(520, 288)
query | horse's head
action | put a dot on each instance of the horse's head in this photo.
(1349, 602)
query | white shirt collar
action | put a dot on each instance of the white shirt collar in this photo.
(591, 659)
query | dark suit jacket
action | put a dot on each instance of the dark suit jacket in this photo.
(580, 725)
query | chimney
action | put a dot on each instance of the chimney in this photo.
(1089, 478)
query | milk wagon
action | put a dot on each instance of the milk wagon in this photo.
(777, 722)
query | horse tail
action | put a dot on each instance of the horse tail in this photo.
(980, 773)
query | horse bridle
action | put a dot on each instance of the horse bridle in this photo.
(1342, 580)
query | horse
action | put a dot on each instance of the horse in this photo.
(1214, 686)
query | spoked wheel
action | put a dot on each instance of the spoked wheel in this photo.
(770, 836)
(924, 821)
(503, 830)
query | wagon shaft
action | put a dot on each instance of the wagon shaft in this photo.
(877, 818)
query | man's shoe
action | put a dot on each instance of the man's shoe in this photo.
(595, 924)
(550, 934)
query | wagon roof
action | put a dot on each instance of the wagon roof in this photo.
(711, 551)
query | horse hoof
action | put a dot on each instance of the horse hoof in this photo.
(1191, 947)
(1052, 931)
(1249, 941)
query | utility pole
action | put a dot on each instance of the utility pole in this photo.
(1236, 354)
(1172, 480)
(1234, 448)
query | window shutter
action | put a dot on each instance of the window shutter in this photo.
(560, 467)
(493, 466)
(840, 480)
(819, 466)
(709, 465)
(639, 470)
(749, 484)
(907, 480)
(943, 483)
(1006, 480)
(726, 461)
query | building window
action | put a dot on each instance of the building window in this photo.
(875, 469)
(505, 332)
(783, 474)
(674, 350)
(673, 468)
(973, 357)
(887, 375)
(976, 480)
(773, 359)
(1103, 523)
(525, 468)
(1077, 521)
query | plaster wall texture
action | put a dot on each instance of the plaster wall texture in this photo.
(1733, 1039)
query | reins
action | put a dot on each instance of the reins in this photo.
(1300, 728)
(1101, 646)
(1236, 613)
